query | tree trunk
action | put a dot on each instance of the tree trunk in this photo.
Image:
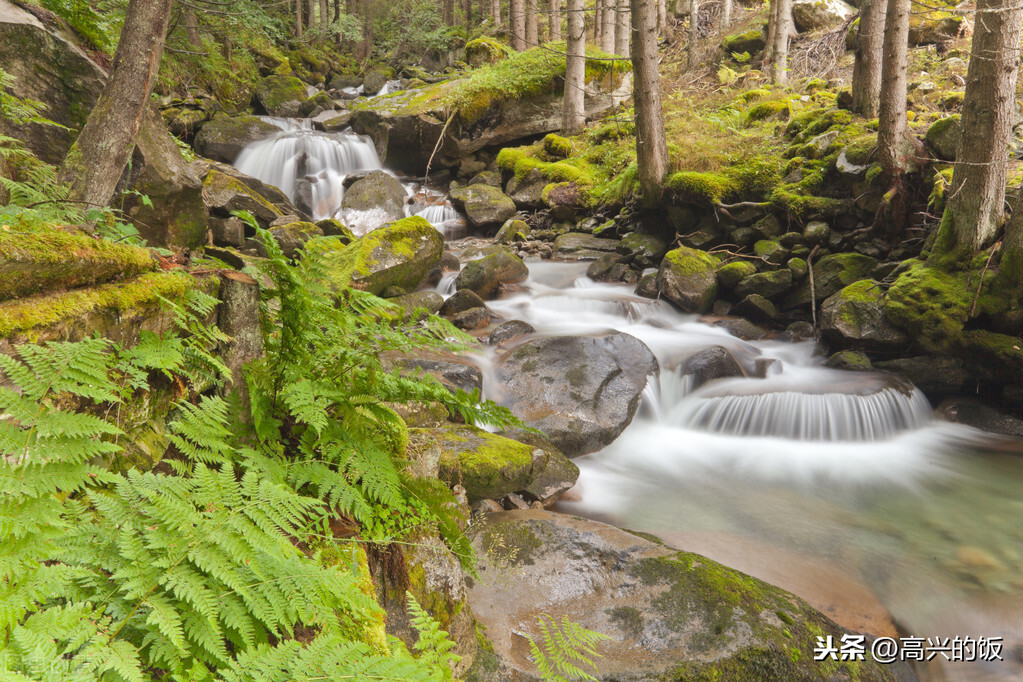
(772, 29)
(98, 157)
(974, 211)
(574, 113)
(298, 18)
(607, 27)
(694, 33)
(891, 130)
(726, 16)
(495, 8)
(555, 21)
(651, 145)
(662, 17)
(312, 23)
(191, 26)
(238, 317)
(517, 24)
(780, 53)
(449, 12)
(324, 15)
(866, 81)
(531, 24)
(337, 10)
(622, 28)
(467, 12)
(598, 23)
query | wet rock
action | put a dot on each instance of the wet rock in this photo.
(527, 192)
(730, 273)
(430, 301)
(484, 206)
(943, 137)
(293, 236)
(461, 301)
(741, 328)
(716, 362)
(979, 415)
(938, 377)
(688, 278)
(513, 230)
(227, 231)
(487, 507)
(757, 308)
(507, 331)
(513, 502)
(810, 15)
(771, 250)
(851, 360)
(599, 268)
(798, 267)
(225, 194)
(335, 228)
(281, 95)
(333, 124)
(769, 284)
(374, 81)
(378, 190)
(487, 177)
(854, 317)
(453, 371)
(925, 30)
(646, 250)
(702, 619)
(830, 274)
(472, 319)
(581, 391)
(647, 286)
(224, 137)
(579, 246)
(486, 275)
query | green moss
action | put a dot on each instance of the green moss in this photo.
(628, 619)
(931, 304)
(709, 188)
(759, 112)
(484, 50)
(752, 41)
(732, 273)
(219, 182)
(489, 466)
(861, 150)
(275, 91)
(685, 261)
(557, 146)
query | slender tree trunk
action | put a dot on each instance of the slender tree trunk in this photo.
(337, 10)
(191, 25)
(467, 12)
(298, 18)
(324, 15)
(531, 24)
(866, 82)
(974, 211)
(662, 17)
(555, 21)
(651, 145)
(449, 12)
(312, 23)
(495, 11)
(622, 28)
(891, 131)
(607, 28)
(694, 33)
(574, 113)
(726, 16)
(598, 23)
(98, 157)
(772, 29)
(780, 53)
(517, 24)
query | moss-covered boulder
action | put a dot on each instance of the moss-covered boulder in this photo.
(931, 305)
(943, 137)
(933, 27)
(374, 81)
(484, 206)
(224, 137)
(380, 191)
(49, 258)
(484, 50)
(688, 278)
(293, 236)
(396, 255)
(830, 274)
(644, 250)
(751, 42)
(281, 95)
(226, 193)
(705, 621)
(731, 273)
(512, 231)
(811, 15)
(485, 276)
(854, 318)
(769, 284)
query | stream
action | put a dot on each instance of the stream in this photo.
(840, 487)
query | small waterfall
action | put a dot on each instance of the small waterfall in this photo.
(307, 165)
(289, 125)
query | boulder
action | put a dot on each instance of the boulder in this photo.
(226, 193)
(769, 284)
(482, 51)
(581, 391)
(716, 362)
(483, 205)
(854, 318)
(293, 236)
(378, 190)
(374, 82)
(396, 255)
(430, 301)
(580, 246)
(943, 137)
(756, 308)
(281, 95)
(938, 377)
(461, 301)
(751, 41)
(830, 274)
(507, 331)
(472, 319)
(645, 250)
(527, 191)
(688, 278)
(972, 412)
(486, 275)
(224, 137)
(453, 371)
(729, 274)
(666, 614)
(811, 15)
(513, 230)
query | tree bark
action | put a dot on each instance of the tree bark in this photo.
(238, 317)
(495, 11)
(574, 113)
(866, 81)
(517, 24)
(651, 145)
(449, 12)
(191, 25)
(598, 23)
(726, 16)
(780, 53)
(298, 18)
(772, 29)
(98, 157)
(891, 131)
(531, 24)
(662, 17)
(555, 21)
(312, 23)
(694, 33)
(607, 27)
(974, 211)
(324, 16)
(622, 29)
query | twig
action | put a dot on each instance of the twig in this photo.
(440, 139)
(980, 284)
(813, 288)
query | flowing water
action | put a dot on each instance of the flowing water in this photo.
(838, 486)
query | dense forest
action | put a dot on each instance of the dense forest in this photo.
(510, 340)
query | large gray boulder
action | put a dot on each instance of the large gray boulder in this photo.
(483, 205)
(224, 137)
(811, 15)
(688, 278)
(854, 318)
(377, 190)
(485, 276)
(666, 614)
(581, 391)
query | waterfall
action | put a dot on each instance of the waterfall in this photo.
(288, 125)
(308, 166)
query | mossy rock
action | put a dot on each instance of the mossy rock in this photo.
(486, 276)
(701, 187)
(484, 50)
(751, 42)
(997, 357)
(396, 255)
(293, 236)
(228, 194)
(849, 360)
(774, 108)
(512, 231)
(688, 278)
(931, 305)
(374, 81)
(769, 284)
(729, 274)
(333, 227)
(854, 318)
(943, 137)
(281, 95)
(484, 206)
(557, 146)
(378, 190)
(830, 274)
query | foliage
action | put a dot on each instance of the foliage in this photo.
(434, 646)
(397, 38)
(565, 649)
(98, 23)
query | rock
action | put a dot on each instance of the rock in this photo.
(490, 466)
(293, 236)
(226, 194)
(482, 51)
(851, 360)
(688, 278)
(771, 250)
(854, 318)
(943, 137)
(512, 502)
(378, 190)
(973, 412)
(461, 301)
(646, 250)
(333, 124)
(741, 329)
(704, 621)
(513, 230)
(768, 227)
(281, 95)
(647, 286)
(769, 284)
(830, 274)
(487, 507)
(711, 363)
(810, 15)
(798, 267)
(227, 231)
(599, 269)
(224, 137)
(730, 273)
(757, 308)
(453, 371)
(581, 391)
(374, 82)
(527, 192)
(483, 205)
(751, 41)
(430, 301)
(486, 275)
(472, 319)
(335, 228)
(932, 28)
(512, 329)
(487, 177)
(399, 255)
(938, 377)
(580, 246)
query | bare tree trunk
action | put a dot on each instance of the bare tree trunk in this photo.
(574, 112)
(531, 24)
(662, 17)
(517, 24)
(726, 16)
(694, 33)
(891, 131)
(780, 53)
(298, 18)
(866, 82)
(98, 157)
(598, 23)
(337, 10)
(974, 211)
(449, 12)
(311, 13)
(467, 12)
(651, 145)
(607, 28)
(191, 25)
(495, 11)
(555, 21)
(324, 15)
(622, 29)
(772, 29)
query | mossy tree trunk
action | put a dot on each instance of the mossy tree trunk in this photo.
(622, 30)
(555, 21)
(974, 211)
(780, 49)
(651, 145)
(607, 26)
(866, 83)
(532, 24)
(574, 113)
(517, 24)
(772, 25)
(895, 147)
(694, 33)
(98, 157)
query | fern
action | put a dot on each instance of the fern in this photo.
(564, 649)
(434, 646)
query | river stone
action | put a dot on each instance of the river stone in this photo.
(484, 206)
(281, 95)
(472, 319)
(972, 412)
(646, 250)
(453, 371)
(581, 391)
(486, 275)
(507, 331)
(527, 192)
(830, 274)
(769, 284)
(688, 278)
(293, 236)
(943, 137)
(579, 246)
(756, 308)
(396, 255)
(810, 15)
(854, 318)
(225, 194)
(938, 377)
(513, 230)
(716, 362)
(430, 301)
(461, 301)
(667, 614)
(729, 274)
(378, 190)
(224, 137)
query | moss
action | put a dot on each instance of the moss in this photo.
(507, 544)
(861, 150)
(276, 91)
(709, 188)
(931, 304)
(759, 112)
(627, 618)
(751, 41)
(557, 146)
(489, 466)
(360, 625)
(731, 273)
(219, 182)
(484, 50)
